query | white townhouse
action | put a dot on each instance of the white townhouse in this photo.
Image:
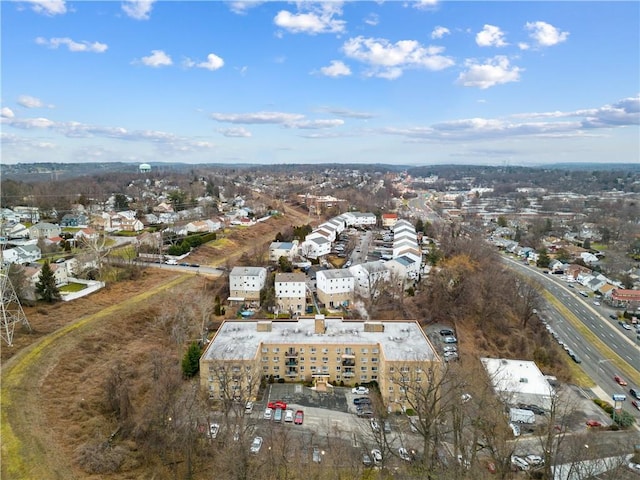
(22, 254)
(404, 267)
(291, 292)
(283, 249)
(370, 278)
(202, 226)
(359, 219)
(336, 223)
(245, 284)
(335, 288)
(315, 247)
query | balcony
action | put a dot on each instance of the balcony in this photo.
(292, 373)
(348, 362)
(348, 374)
(291, 354)
(291, 362)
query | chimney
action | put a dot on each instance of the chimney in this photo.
(320, 328)
(264, 325)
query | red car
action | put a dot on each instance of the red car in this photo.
(277, 404)
(593, 423)
(619, 380)
(299, 417)
(635, 404)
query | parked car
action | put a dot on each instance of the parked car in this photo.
(366, 460)
(256, 444)
(449, 339)
(534, 460)
(214, 428)
(635, 404)
(360, 390)
(626, 326)
(445, 332)
(519, 463)
(386, 426)
(288, 416)
(515, 429)
(248, 408)
(316, 455)
(277, 415)
(362, 401)
(619, 380)
(449, 348)
(593, 423)
(268, 413)
(377, 456)
(299, 417)
(404, 454)
(375, 426)
(613, 317)
(277, 404)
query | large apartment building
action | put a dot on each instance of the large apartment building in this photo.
(318, 349)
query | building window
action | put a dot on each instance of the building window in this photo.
(391, 389)
(338, 368)
(374, 359)
(374, 377)
(276, 368)
(374, 369)
(363, 360)
(325, 350)
(276, 350)
(265, 350)
(276, 359)
(313, 368)
(325, 359)
(338, 350)
(363, 377)
(375, 350)
(363, 369)
(364, 350)
(313, 349)
(265, 359)
(265, 369)
(302, 368)
(302, 359)
(392, 369)
(301, 349)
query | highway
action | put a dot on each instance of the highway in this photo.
(600, 365)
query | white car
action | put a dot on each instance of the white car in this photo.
(377, 456)
(248, 408)
(268, 413)
(374, 425)
(404, 455)
(288, 416)
(214, 428)
(360, 391)
(597, 304)
(256, 444)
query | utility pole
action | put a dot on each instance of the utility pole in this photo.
(12, 312)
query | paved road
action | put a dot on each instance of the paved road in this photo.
(600, 366)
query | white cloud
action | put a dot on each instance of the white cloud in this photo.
(258, 117)
(336, 69)
(28, 101)
(48, 7)
(494, 72)
(213, 62)
(523, 46)
(424, 4)
(320, 19)
(239, 132)
(157, 59)
(316, 124)
(138, 9)
(341, 112)
(372, 19)
(73, 46)
(6, 112)
(440, 32)
(242, 7)
(490, 36)
(545, 35)
(389, 60)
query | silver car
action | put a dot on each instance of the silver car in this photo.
(256, 444)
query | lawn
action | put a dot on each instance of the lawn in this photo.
(72, 287)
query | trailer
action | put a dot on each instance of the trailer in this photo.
(521, 415)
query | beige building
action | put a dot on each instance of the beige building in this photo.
(291, 292)
(335, 287)
(245, 284)
(318, 349)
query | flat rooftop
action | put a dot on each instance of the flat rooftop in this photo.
(399, 340)
(517, 376)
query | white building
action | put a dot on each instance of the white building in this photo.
(291, 292)
(315, 247)
(335, 288)
(245, 284)
(359, 219)
(283, 249)
(370, 278)
(519, 381)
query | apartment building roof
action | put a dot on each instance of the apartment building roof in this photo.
(398, 340)
(247, 271)
(291, 277)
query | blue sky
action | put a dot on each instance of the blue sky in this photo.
(415, 83)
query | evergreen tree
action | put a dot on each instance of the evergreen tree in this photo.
(46, 285)
(191, 361)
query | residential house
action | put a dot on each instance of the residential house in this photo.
(315, 247)
(389, 220)
(131, 225)
(283, 249)
(17, 231)
(74, 220)
(246, 283)
(8, 216)
(27, 214)
(335, 288)
(202, 226)
(44, 230)
(22, 254)
(370, 278)
(291, 292)
(86, 234)
(163, 207)
(403, 268)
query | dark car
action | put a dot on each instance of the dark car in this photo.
(446, 332)
(634, 393)
(361, 401)
(184, 264)
(195, 265)
(613, 317)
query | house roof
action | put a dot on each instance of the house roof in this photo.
(247, 271)
(335, 273)
(295, 277)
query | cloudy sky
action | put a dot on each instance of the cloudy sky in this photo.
(397, 82)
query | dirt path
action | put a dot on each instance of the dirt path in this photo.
(32, 444)
(28, 445)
